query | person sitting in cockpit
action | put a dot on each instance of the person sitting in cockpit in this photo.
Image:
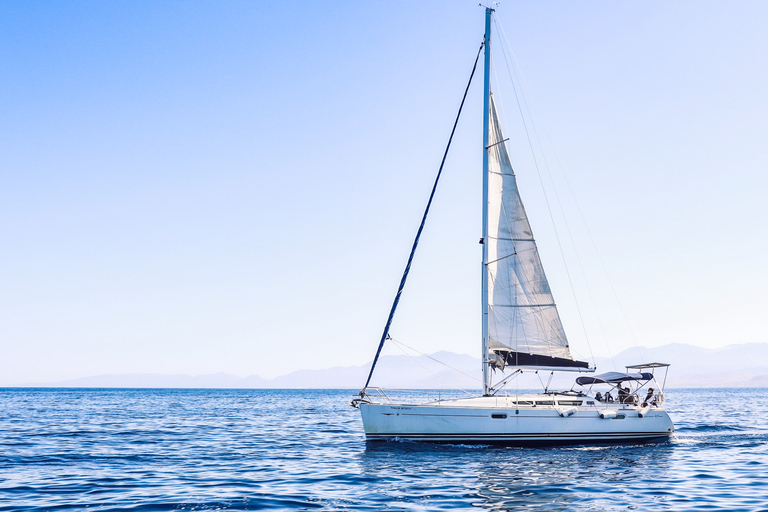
(649, 398)
(629, 397)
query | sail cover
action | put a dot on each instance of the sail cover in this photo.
(524, 327)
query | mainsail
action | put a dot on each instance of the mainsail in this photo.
(524, 328)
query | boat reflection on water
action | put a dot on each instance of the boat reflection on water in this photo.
(505, 478)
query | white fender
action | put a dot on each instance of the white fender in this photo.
(607, 414)
(567, 411)
(643, 411)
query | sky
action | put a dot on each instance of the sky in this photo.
(200, 187)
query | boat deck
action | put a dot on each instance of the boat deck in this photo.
(524, 401)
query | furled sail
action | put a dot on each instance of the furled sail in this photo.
(524, 328)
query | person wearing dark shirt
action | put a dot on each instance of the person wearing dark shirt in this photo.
(648, 398)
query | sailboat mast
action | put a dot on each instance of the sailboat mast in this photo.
(486, 116)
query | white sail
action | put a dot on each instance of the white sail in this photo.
(522, 316)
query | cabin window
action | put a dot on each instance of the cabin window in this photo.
(523, 402)
(570, 402)
(590, 403)
(545, 402)
(620, 416)
(499, 416)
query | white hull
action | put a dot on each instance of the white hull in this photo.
(497, 420)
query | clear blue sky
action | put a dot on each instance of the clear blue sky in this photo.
(199, 187)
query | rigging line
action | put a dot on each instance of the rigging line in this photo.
(599, 257)
(546, 198)
(491, 308)
(512, 295)
(398, 342)
(539, 329)
(524, 82)
(539, 326)
(506, 380)
(421, 227)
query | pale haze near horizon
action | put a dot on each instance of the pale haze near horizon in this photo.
(201, 187)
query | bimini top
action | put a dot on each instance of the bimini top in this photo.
(612, 378)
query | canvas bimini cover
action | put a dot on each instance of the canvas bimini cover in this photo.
(524, 328)
(612, 378)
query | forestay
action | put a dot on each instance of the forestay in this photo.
(524, 327)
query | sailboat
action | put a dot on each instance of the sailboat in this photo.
(521, 332)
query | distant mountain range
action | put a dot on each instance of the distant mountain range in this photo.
(743, 365)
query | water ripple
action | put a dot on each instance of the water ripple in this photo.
(148, 450)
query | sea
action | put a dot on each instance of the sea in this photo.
(242, 449)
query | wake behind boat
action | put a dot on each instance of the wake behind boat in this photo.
(521, 332)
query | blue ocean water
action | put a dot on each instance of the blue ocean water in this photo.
(144, 450)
